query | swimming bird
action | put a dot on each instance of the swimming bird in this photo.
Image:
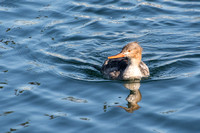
(127, 65)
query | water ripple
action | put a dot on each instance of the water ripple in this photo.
(51, 54)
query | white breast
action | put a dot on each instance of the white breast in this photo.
(132, 72)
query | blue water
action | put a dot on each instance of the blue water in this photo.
(51, 53)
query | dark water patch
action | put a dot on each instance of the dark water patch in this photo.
(194, 24)
(55, 14)
(9, 4)
(176, 67)
(77, 37)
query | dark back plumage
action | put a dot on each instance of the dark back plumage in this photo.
(114, 68)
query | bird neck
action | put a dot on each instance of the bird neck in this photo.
(134, 61)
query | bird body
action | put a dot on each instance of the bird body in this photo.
(126, 65)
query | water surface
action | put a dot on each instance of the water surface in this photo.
(51, 54)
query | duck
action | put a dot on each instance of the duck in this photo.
(127, 65)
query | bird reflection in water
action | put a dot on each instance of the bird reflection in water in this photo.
(134, 97)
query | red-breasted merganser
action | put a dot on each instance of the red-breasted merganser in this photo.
(126, 65)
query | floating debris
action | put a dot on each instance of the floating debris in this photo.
(34, 83)
(8, 29)
(25, 124)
